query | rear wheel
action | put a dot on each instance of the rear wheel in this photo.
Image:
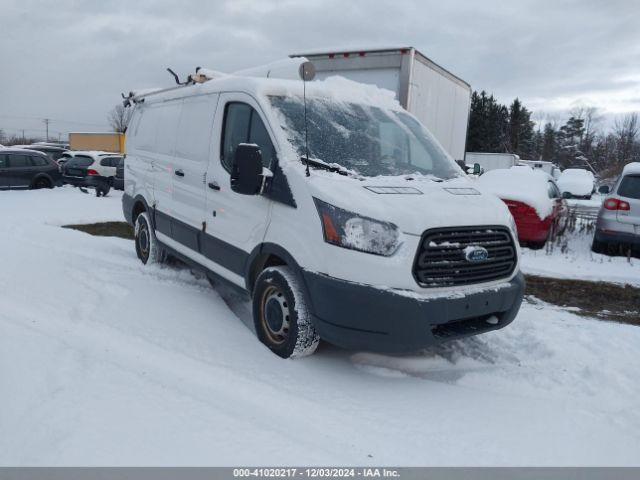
(42, 183)
(280, 314)
(148, 249)
(599, 247)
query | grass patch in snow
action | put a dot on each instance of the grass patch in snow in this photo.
(106, 229)
(608, 301)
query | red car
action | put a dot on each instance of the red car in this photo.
(533, 199)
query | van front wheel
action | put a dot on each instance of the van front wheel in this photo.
(147, 247)
(280, 314)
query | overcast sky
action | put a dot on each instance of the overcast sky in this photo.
(69, 60)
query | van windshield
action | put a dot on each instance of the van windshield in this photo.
(367, 140)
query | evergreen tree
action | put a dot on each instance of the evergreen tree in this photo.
(487, 124)
(549, 143)
(520, 130)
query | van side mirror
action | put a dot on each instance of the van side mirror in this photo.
(566, 195)
(246, 173)
(604, 189)
(477, 170)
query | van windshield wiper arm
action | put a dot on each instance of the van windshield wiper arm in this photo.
(324, 166)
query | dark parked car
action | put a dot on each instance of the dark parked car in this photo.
(21, 168)
(118, 180)
(53, 152)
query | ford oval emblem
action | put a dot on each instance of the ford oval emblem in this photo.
(475, 254)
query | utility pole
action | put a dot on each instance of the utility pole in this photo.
(46, 122)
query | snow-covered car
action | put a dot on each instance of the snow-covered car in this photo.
(577, 183)
(533, 199)
(361, 230)
(91, 169)
(618, 222)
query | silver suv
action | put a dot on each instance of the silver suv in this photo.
(618, 225)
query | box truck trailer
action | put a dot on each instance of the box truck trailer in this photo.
(106, 142)
(438, 98)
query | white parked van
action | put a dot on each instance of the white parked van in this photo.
(377, 242)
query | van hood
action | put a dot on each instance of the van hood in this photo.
(413, 203)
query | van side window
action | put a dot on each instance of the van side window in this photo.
(193, 139)
(145, 138)
(242, 124)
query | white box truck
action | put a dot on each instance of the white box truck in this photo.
(492, 161)
(439, 99)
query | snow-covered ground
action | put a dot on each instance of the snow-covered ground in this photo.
(106, 362)
(571, 256)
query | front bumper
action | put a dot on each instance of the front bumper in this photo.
(357, 316)
(615, 237)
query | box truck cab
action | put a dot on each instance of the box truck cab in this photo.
(354, 226)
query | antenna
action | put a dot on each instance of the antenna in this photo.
(307, 72)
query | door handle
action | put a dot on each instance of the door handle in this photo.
(179, 173)
(214, 186)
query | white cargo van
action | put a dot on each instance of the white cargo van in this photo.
(378, 241)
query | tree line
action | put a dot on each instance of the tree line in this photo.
(578, 142)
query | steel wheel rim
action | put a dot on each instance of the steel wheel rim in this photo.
(275, 315)
(143, 241)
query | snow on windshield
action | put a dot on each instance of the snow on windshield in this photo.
(365, 139)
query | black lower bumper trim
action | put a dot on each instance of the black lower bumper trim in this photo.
(358, 316)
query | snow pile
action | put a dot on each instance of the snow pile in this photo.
(108, 362)
(520, 184)
(576, 181)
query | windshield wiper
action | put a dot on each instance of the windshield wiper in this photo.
(324, 166)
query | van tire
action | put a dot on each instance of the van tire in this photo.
(280, 314)
(148, 249)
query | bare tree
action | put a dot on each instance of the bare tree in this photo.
(119, 118)
(626, 131)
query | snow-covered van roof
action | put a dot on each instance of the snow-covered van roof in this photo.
(336, 88)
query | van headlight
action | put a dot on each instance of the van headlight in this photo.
(350, 230)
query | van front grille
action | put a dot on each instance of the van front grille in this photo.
(441, 260)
